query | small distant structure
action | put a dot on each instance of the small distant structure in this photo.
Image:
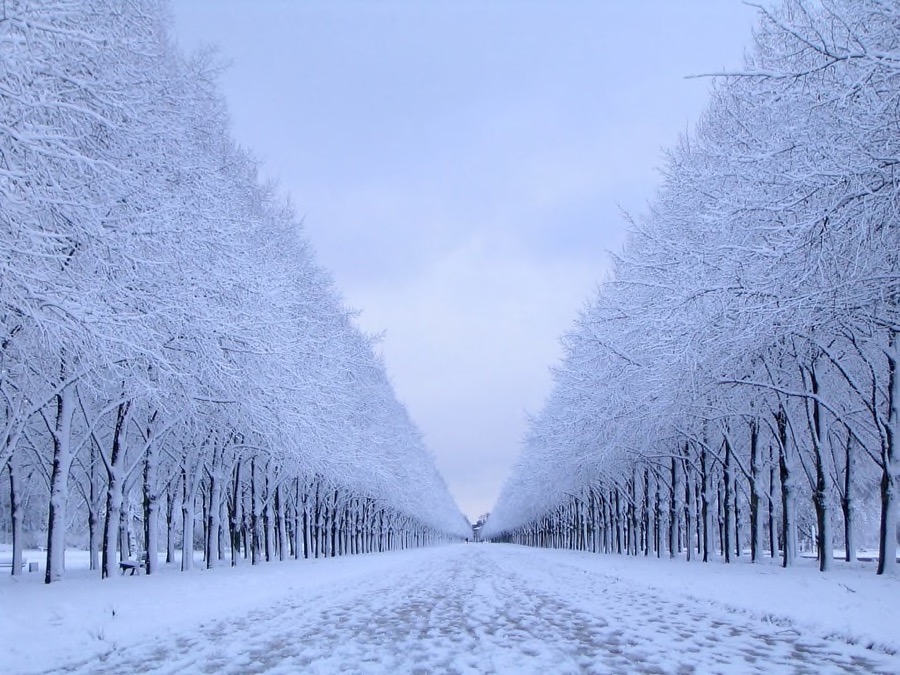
(476, 528)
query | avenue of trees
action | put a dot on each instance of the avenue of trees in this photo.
(175, 369)
(733, 386)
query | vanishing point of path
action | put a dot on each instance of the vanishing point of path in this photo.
(489, 609)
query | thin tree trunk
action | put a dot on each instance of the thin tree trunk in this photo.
(59, 485)
(848, 503)
(188, 515)
(755, 522)
(704, 501)
(890, 476)
(788, 500)
(213, 517)
(171, 501)
(15, 513)
(94, 506)
(281, 520)
(657, 515)
(673, 511)
(115, 494)
(773, 527)
(236, 515)
(298, 525)
(688, 510)
(727, 500)
(151, 508)
(255, 545)
(824, 539)
(649, 528)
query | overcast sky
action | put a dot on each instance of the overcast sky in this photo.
(461, 167)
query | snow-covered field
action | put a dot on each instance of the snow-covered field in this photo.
(458, 609)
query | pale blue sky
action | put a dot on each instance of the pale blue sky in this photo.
(461, 167)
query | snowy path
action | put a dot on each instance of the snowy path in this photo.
(485, 609)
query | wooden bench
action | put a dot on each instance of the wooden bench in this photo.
(7, 563)
(133, 567)
(130, 566)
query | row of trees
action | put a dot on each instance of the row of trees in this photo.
(735, 382)
(167, 342)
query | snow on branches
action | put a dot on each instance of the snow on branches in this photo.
(170, 352)
(735, 382)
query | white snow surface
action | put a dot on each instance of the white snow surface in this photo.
(488, 608)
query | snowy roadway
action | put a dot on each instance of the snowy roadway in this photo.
(484, 609)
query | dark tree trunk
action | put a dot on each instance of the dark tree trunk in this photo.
(737, 520)
(235, 514)
(688, 509)
(755, 524)
(255, 543)
(773, 526)
(646, 514)
(673, 511)
(727, 501)
(890, 480)
(824, 543)
(704, 501)
(94, 506)
(788, 515)
(15, 513)
(171, 511)
(848, 503)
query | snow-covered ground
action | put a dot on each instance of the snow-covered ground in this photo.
(463, 609)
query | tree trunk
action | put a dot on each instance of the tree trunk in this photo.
(151, 509)
(649, 530)
(307, 524)
(15, 513)
(704, 501)
(634, 539)
(657, 516)
(298, 525)
(737, 519)
(673, 511)
(688, 510)
(848, 503)
(188, 511)
(255, 543)
(94, 506)
(618, 517)
(755, 522)
(115, 494)
(788, 499)
(59, 485)
(727, 500)
(236, 515)
(267, 519)
(773, 527)
(213, 522)
(111, 525)
(824, 539)
(213, 519)
(171, 501)
(890, 476)
(281, 522)
(126, 518)
(720, 519)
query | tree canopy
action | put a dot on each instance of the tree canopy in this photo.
(741, 360)
(166, 334)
